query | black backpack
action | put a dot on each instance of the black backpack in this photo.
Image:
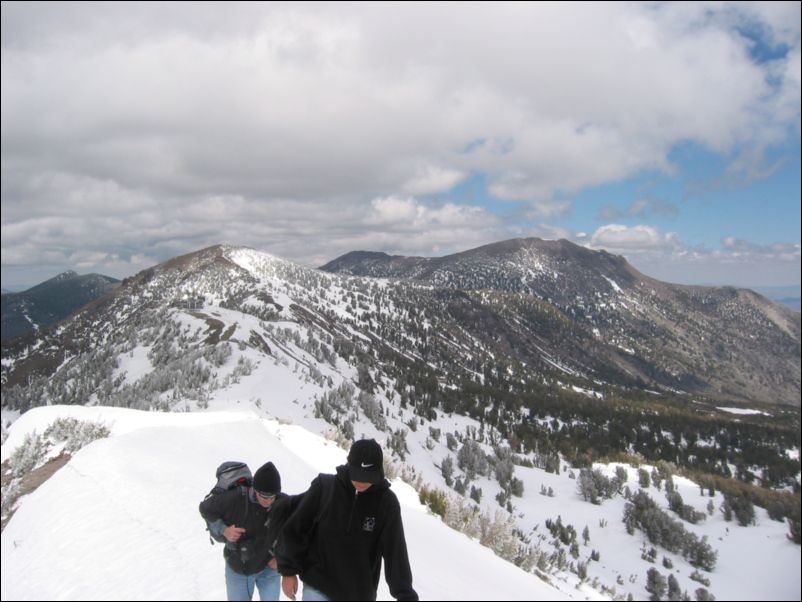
(229, 476)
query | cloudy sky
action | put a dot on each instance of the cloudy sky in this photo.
(668, 133)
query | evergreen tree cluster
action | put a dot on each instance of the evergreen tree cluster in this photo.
(565, 534)
(741, 507)
(685, 511)
(659, 587)
(642, 512)
(594, 486)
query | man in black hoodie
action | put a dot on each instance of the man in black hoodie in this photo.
(343, 528)
(242, 516)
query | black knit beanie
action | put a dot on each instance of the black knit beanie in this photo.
(267, 479)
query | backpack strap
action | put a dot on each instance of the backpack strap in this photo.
(327, 483)
(244, 490)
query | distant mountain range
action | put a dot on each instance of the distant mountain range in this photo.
(382, 265)
(50, 301)
(794, 303)
(789, 296)
(542, 309)
(719, 341)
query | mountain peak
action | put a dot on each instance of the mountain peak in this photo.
(51, 301)
(68, 275)
(509, 265)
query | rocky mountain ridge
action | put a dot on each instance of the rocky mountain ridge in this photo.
(50, 301)
(720, 341)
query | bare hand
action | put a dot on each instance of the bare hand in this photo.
(272, 563)
(289, 584)
(232, 533)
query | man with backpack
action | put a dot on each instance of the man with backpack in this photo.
(344, 526)
(238, 512)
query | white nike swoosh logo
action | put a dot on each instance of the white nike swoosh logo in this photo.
(366, 465)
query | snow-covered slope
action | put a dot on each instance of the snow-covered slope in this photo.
(120, 520)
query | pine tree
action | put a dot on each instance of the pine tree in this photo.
(726, 509)
(655, 584)
(476, 494)
(447, 469)
(472, 459)
(28, 455)
(674, 591)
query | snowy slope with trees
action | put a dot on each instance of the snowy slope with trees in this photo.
(120, 521)
(125, 505)
(501, 449)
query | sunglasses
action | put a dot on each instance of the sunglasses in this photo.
(265, 496)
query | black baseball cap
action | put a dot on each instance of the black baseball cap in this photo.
(365, 462)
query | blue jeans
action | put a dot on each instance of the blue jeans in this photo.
(314, 595)
(240, 587)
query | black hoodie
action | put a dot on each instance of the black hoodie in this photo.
(337, 538)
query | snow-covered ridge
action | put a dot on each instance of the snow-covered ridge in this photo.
(126, 507)
(134, 532)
